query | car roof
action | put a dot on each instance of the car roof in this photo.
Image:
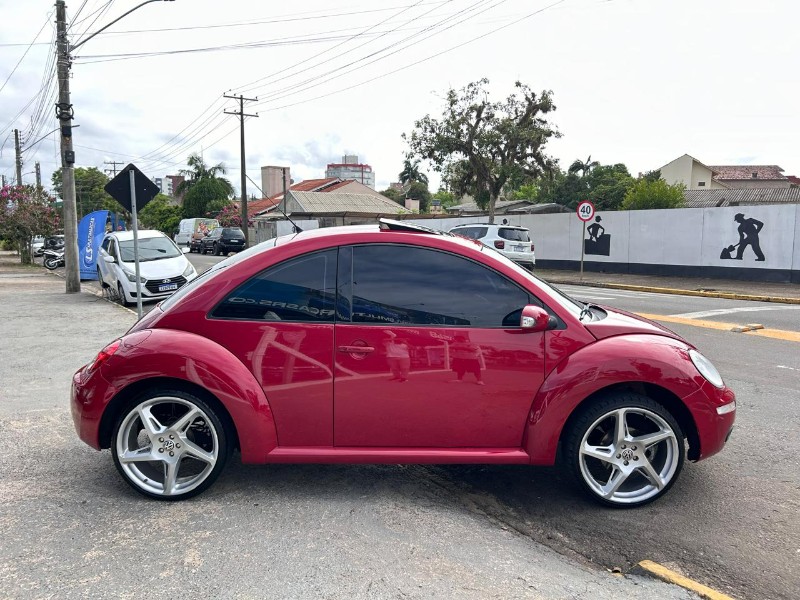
(124, 236)
(503, 225)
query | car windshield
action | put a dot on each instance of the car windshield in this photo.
(515, 235)
(151, 248)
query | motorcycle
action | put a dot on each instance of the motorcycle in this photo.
(51, 243)
(53, 259)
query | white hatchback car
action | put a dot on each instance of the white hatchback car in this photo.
(511, 241)
(163, 268)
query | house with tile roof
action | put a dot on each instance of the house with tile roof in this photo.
(695, 175)
(326, 185)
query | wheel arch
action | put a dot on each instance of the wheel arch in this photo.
(668, 399)
(124, 396)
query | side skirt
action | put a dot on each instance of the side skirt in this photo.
(398, 456)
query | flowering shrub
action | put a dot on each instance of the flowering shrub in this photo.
(230, 216)
(25, 212)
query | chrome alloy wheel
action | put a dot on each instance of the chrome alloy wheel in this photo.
(629, 455)
(166, 446)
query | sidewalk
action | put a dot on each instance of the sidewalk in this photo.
(689, 286)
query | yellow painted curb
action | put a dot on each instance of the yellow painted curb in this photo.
(778, 334)
(665, 574)
(681, 292)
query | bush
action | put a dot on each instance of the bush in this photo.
(651, 194)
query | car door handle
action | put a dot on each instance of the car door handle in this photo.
(356, 349)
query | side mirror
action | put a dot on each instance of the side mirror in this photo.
(109, 259)
(535, 318)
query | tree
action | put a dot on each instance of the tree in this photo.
(199, 171)
(394, 195)
(206, 196)
(608, 185)
(25, 212)
(528, 191)
(411, 172)
(654, 175)
(230, 216)
(481, 145)
(446, 199)
(160, 213)
(562, 188)
(419, 191)
(646, 194)
(90, 194)
(583, 167)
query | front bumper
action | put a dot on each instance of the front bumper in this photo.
(714, 412)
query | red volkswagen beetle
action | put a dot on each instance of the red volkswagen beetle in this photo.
(396, 344)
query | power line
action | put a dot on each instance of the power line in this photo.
(24, 54)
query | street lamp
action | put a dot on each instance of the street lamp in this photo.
(65, 115)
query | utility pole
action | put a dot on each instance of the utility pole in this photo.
(65, 115)
(4, 180)
(38, 177)
(113, 167)
(242, 115)
(19, 157)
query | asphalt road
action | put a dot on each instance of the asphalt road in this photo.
(730, 522)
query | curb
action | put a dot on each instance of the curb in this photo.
(679, 291)
(657, 571)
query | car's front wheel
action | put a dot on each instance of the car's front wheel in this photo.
(169, 444)
(123, 299)
(625, 450)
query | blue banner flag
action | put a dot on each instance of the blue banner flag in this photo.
(91, 231)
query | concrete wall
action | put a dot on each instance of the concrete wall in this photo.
(684, 242)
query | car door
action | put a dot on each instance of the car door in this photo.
(279, 323)
(107, 271)
(429, 352)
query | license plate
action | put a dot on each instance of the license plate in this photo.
(519, 248)
(168, 287)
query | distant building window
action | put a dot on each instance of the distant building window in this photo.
(701, 183)
(755, 174)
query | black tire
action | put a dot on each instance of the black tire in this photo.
(121, 295)
(51, 264)
(604, 456)
(100, 279)
(216, 250)
(205, 432)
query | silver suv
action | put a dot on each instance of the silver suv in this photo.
(511, 241)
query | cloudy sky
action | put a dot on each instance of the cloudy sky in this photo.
(635, 81)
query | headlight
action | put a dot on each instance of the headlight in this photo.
(132, 276)
(189, 271)
(706, 368)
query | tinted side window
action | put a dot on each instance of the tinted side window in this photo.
(515, 235)
(299, 289)
(418, 286)
(474, 233)
(106, 243)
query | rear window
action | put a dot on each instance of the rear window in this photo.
(232, 232)
(473, 233)
(515, 235)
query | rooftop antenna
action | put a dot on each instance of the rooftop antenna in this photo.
(297, 228)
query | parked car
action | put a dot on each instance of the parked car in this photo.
(163, 268)
(396, 344)
(223, 240)
(510, 240)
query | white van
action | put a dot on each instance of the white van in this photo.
(190, 228)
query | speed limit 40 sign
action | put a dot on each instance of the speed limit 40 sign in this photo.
(585, 211)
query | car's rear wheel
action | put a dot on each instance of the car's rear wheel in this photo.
(216, 250)
(625, 450)
(169, 444)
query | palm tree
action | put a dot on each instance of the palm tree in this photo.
(583, 167)
(411, 172)
(199, 170)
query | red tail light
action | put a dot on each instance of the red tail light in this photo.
(499, 244)
(532, 247)
(104, 355)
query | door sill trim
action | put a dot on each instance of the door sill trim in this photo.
(397, 456)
